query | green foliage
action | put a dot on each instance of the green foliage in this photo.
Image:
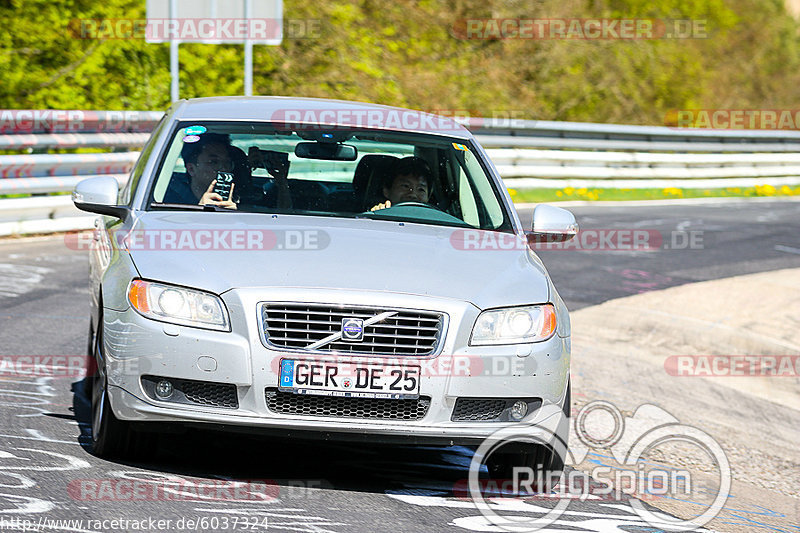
(412, 53)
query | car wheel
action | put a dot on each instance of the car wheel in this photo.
(91, 364)
(546, 463)
(111, 437)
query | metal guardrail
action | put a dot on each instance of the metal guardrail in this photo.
(528, 154)
(28, 166)
(49, 141)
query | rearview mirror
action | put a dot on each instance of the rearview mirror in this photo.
(99, 195)
(326, 151)
(552, 224)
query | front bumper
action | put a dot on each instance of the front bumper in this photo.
(136, 347)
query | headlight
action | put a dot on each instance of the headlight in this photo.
(178, 305)
(514, 325)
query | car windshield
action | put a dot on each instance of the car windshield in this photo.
(328, 171)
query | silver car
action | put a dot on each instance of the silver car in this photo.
(309, 268)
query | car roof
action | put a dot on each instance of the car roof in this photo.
(317, 111)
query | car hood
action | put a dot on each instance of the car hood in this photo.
(218, 252)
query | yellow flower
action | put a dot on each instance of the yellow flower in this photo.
(512, 192)
(786, 190)
(559, 194)
(673, 191)
(568, 191)
(765, 190)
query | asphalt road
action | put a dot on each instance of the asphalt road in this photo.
(46, 472)
(682, 244)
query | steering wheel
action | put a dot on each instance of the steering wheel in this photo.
(416, 204)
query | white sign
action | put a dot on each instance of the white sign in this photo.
(215, 21)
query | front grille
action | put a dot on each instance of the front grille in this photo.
(295, 326)
(188, 391)
(477, 409)
(341, 407)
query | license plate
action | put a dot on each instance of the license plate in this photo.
(349, 379)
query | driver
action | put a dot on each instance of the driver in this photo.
(203, 159)
(409, 181)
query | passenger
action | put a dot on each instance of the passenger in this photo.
(203, 159)
(409, 181)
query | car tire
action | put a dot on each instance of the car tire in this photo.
(91, 364)
(111, 437)
(538, 457)
(542, 460)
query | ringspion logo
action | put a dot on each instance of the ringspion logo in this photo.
(617, 449)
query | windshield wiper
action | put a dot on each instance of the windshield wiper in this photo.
(190, 207)
(375, 215)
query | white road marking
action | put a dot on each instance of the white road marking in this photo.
(788, 249)
(26, 505)
(16, 280)
(72, 463)
(37, 439)
(24, 481)
(645, 223)
(619, 515)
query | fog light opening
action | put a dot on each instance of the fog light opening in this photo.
(519, 410)
(163, 389)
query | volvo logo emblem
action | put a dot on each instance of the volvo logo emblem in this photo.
(352, 329)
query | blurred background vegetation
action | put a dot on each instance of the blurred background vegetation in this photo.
(409, 53)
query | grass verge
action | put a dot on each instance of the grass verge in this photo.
(570, 193)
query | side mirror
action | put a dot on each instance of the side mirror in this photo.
(553, 224)
(99, 195)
